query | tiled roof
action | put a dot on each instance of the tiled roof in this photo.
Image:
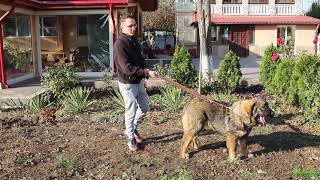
(216, 19)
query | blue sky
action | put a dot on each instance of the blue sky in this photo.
(307, 4)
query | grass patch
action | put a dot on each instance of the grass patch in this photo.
(225, 97)
(305, 173)
(183, 174)
(264, 129)
(245, 173)
(114, 117)
(126, 175)
(68, 165)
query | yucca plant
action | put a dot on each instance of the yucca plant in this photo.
(77, 100)
(173, 98)
(117, 98)
(38, 102)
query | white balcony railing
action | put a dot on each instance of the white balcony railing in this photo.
(285, 9)
(254, 9)
(231, 9)
(258, 9)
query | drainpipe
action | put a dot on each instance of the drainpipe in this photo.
(2, 65)
(315, 40)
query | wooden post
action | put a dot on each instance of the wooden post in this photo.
(36, 46)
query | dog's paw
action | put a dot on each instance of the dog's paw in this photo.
(185, 156)
(232, 159)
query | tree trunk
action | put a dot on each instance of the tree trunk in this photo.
(203, 11)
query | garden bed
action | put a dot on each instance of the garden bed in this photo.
(92, 145)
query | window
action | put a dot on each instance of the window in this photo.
(287, 34)
(82, 25)
(185, 30)
(258, 1)
(251, 34)
(48, 26)
(215, 33)
(187, 36)
(18, 26)
(231, 1)
(284, 1)
(219, 34)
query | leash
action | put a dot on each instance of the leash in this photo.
(196, 94)
(191, 91)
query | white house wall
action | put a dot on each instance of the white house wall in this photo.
(304, 38)
(264, 36)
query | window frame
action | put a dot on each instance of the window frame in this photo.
(277, 2)
(222, 34)
(42, 26)
(78, 25)
(251, 32)
(183, 24)
(293, 32)
(16, 28)
(239, 2)
(259, 2)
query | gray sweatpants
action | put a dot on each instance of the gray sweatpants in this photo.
(136, 105)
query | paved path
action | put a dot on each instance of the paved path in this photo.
(249, 68)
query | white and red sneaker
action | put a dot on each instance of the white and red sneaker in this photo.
(132, 144)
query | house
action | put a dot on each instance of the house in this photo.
(247, 27)
(40, 33)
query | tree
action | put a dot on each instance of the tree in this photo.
(203, 11)
(163, 19)
(314, 11)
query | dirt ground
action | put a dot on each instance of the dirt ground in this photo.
(80, 147)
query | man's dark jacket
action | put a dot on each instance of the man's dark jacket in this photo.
(129, 62)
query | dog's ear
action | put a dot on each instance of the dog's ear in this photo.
(248, 107)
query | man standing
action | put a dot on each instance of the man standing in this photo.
(131, 69)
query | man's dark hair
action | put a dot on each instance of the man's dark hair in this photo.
(125, 16)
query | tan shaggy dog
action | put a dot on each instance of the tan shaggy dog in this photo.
(234, 122)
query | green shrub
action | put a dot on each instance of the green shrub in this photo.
(304, 82)
(163, 70)
(21, 61)
(182, 68)
(229, 73)
(77, 100)
(60, 79)
(15, 57)
(8, 56)
(268, 67)
(39, 101)
(173, 99)
(281, 80)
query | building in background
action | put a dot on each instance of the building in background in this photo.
(38, 34)
(247, 27)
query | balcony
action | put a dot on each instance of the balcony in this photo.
(254, 9)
